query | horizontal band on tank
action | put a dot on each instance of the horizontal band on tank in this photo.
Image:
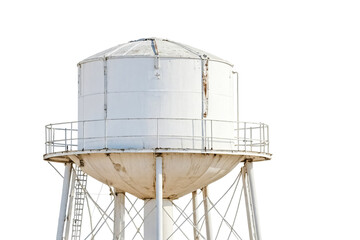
(154, 57)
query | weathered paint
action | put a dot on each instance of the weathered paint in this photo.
(150, 226)
(119, 215)
(152, 78)
(135, 172)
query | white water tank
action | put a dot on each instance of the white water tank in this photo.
(134, 92)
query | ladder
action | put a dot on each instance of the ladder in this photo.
(80, 186)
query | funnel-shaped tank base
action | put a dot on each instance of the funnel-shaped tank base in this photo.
(135, 172)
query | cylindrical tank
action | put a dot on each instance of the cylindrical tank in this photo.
(155, 96)
(131, 94)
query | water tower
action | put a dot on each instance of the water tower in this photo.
(158, 120)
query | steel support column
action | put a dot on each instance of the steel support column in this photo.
(64, 201)
(119, 215)
(159, 199)
(207, 214)
(195, 215)
(250, 201)
(250, 172)
(71, 200)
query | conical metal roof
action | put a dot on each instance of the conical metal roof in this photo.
(153, 47)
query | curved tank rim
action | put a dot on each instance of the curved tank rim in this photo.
(178, 50)
(144, 56)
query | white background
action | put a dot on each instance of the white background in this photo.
(299, 68)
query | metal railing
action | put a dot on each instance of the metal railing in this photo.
(151, 133)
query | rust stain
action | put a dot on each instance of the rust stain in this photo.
(81, 161)
(154, 171)
(205, 83)
(163, 172)
(117, 166)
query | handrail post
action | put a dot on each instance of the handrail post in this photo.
(205, 135)
(193, 133)
(260, 137)
(66, 139)
(267, 138)
(106, 143)
(251, 140)
(83, 136)
(245, 135)
(46, 140)
(264, 141)
(211, 126)
(157, 132)
(238, 135)
(53, 138)
(50, 139)
(71, 136)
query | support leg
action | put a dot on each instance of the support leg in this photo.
(195, 215)
(64, 201)
(71, 200)
(119, 215)
(253, 196)
(159, 198)
(150, 226)
(207, 214)
(250, 201)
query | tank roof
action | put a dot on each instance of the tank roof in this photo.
(153, 47)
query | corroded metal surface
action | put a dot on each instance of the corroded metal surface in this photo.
(134, 171)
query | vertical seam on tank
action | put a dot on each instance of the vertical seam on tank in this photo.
(105, 102)
(80, 92)
(156, 52)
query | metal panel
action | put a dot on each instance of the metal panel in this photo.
(92, 78)
(145, 48)
(136, 89)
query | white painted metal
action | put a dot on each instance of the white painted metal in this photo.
(159, 198)
(250, 201)
(150, 214)
(152, 96)
(119, 215)
(120, 84)
(134, 171)
(207, 214)
(64, 201)
(70, 208)
(195, 215)
(247, 203)
(249, 167)
(145, 48)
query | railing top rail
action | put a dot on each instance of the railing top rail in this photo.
(50, 125)
(228, 136)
